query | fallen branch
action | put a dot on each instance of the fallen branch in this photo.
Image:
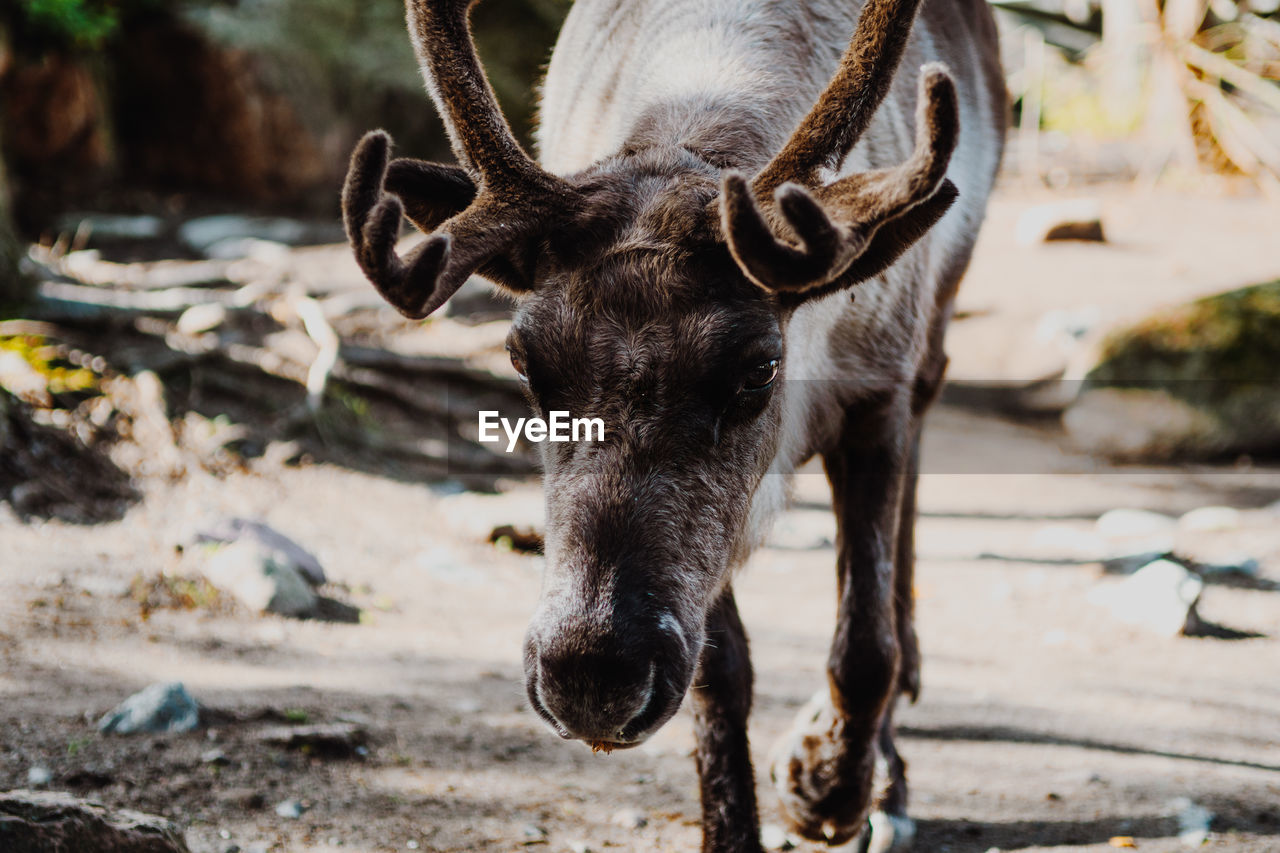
(63, 302)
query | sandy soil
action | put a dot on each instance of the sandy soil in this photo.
(1044, 724)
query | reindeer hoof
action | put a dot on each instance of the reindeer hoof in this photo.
(884, 833)
(826, 783)
(890, 833)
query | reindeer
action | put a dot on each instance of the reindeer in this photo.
(718, 179)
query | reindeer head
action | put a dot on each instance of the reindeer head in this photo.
(654, 291)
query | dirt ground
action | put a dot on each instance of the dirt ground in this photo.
(1044, 723)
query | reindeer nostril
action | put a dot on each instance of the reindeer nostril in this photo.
(595, 697)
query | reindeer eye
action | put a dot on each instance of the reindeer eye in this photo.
(518, 363)
(761, 376)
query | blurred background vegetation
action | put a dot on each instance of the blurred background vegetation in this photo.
(178, 108)
(1162, 87)
(146, 104)
(164, 163)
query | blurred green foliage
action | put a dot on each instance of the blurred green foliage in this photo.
(358, 55)
(328, 48)
(337, 68)
(86, 25)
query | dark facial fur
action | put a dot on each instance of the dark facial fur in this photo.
(660, 340)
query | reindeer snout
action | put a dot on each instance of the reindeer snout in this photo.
(593, 696)
(608, 690)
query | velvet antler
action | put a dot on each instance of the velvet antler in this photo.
(859, 224)
(478, 217)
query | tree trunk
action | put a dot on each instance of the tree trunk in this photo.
(14, 288)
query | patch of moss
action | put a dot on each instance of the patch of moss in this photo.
(83, 25)
(1219, 355)
(63, 377)
(1204, 352)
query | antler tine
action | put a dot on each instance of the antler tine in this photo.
(837, 225)
(372, 221)
(420, 283)
(826, 249)
(886, 193)
(471, 224)
(844, 110)
(480, 134)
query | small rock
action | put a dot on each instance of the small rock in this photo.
(630, 819)
(1160, 597)
(261, 580)
(578, 846)
(1076, 219)
(38, 777)
(159, 708)
(774, 837)
(1193, 822)
(291, 809)
(239, 529)
(1210, 519)
(1135, 531)
(45, 820)
(533, 834)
